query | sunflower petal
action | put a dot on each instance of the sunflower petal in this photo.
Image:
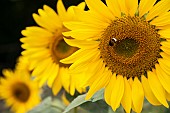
(137, 95)
(53, 74)
(160, 8)
(132, 6)
(127, 99)
(148, 92)
(114, 7)
(163, 78)
(157, 88)
(82, 43)
(117, 92)
(122, 5)
(108, 89)
(161, 20)
(61, 9)
(57, 85)
(165, 33)
(99, 83)
(94, 5)
(83, 34)
(145, 6)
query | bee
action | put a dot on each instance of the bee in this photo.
(112, 42)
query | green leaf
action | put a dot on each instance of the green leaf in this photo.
(76, 102)
(81, 99)
(99, 95)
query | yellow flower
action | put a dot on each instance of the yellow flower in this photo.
(19, 91)
(44, 46)
(124, 48)
(23, 64)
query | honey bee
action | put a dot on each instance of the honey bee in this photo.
(112, 41)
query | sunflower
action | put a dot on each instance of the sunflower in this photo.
(19, 91)
(124, 48)
(44, 46)
(22, 64)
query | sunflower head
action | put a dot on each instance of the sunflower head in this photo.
(19, 91)
(45, 47)
(124, 48)
(130, 46)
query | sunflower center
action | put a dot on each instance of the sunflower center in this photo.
(130, 46)
(126, 47)
(21, 92)
(60, 49)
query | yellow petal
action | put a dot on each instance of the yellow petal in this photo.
(167, 96)
(37, 32)
(43, 23)
(41, 66)
(127, 96)
(57, 85)
(137, 95)
(54, 21)
(148, 92)
(95, 4)
(114, 7)
(52, 14)
(165, 49)
(165, 33)
(108, 89)
(145, 6)
(160, 8)
(65, 78)
(83, 34)
(117, 92)
(157, 88)
(82, 43)
(163, 27)
(161, 20)
(100, 82)
(164, 55)
(164, 65)
(132, 6)
(53, 74)
(61, 9)
(122, 5)
(43, 77)
(90, 56)
(92, 72)
(163, 78)
(91, 18)
(166, 44)
(81, 25)
(82, 5)
(75, 56)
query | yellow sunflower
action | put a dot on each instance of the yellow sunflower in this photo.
(22, 64)
(124, 48)
(19, 91)
(44, 46)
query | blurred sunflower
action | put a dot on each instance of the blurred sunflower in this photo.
(22, 64)
(19, 91)
(44, 46)
(124, 48)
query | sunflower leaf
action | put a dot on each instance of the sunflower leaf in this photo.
(76, 102)
(98, 96)
(81, 100)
